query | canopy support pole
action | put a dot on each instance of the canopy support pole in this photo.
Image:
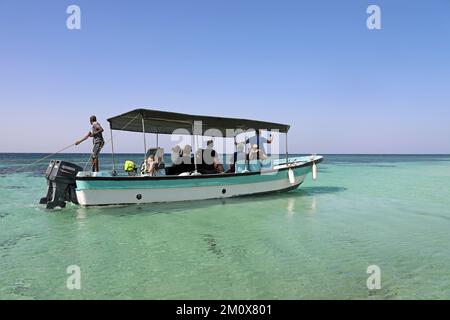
(157, 140)
(112, 150)
(246, 153)
(194, 147)
(145, 140)
(287, 152)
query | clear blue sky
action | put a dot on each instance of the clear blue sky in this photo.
(313, 64)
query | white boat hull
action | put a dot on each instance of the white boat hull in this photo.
(104, 189)
(103, 197)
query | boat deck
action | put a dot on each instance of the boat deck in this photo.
(278, 164)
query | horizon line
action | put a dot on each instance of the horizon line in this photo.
(353, 154)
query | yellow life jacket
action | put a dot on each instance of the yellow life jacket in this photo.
(129, 166)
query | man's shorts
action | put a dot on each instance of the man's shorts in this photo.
(97, 148)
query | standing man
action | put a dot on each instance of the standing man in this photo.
(98, 141)
(259, 141)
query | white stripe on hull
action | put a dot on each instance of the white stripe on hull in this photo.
(93, 197)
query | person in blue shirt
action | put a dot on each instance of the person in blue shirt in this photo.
(259, 141)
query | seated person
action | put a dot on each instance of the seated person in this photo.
(209, 163)
(256, 154)
(239, 155)
(150, 164)
(259, 140)
(186, 155)
(254, 157)
(154, 164)
(185, 162)
(176, 155)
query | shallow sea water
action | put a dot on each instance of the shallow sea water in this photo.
(315, 242)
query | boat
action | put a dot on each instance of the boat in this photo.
(68, 182)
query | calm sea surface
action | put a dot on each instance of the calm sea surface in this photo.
(315, 242)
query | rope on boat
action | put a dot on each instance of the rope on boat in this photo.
(64, 149)
(41, 159)
(87, 162)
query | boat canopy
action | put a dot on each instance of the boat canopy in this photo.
(162, 122)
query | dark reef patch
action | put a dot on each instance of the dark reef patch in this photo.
(212, 245)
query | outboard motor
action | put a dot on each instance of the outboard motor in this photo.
(61, 184)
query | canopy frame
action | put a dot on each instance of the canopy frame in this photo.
(163, 122)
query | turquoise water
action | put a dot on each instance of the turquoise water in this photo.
(315, 242)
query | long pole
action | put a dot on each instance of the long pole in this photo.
(145, 140)
(112, 149)
(157, 140)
